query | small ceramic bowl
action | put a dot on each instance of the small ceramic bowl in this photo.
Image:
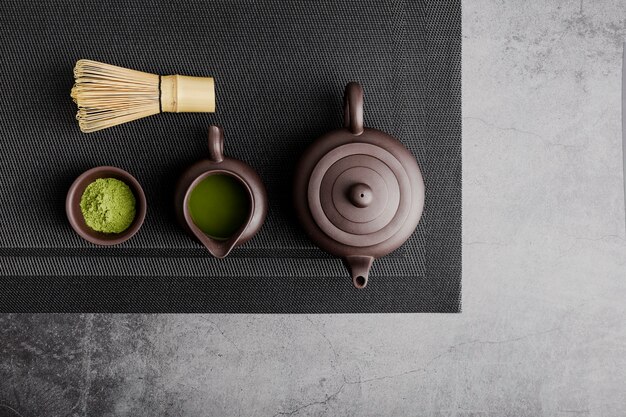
(75, 216)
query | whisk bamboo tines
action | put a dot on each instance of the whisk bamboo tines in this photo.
(108, 95)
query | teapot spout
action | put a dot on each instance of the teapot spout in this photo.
(359, 269)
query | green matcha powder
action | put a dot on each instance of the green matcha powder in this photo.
(108, 205)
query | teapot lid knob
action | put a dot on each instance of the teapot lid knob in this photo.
(361, 195)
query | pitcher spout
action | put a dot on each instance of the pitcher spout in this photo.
(220, 248)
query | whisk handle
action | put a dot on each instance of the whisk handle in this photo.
(185, 94)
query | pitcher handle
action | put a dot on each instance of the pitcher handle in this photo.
(216, 143)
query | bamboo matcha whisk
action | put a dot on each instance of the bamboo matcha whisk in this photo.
(108, 95)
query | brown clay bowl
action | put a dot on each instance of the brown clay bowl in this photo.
(75, 216)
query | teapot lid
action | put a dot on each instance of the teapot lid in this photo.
(358, 191)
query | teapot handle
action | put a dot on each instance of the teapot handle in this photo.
(353, 108)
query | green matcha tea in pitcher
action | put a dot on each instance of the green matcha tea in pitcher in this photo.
(219, 205)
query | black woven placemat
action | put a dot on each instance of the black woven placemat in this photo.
(280, 69)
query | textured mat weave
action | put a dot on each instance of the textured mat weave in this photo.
(280, 70)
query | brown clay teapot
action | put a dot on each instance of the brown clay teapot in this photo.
(358, 192)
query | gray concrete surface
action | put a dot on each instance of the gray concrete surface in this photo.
(542, 330)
